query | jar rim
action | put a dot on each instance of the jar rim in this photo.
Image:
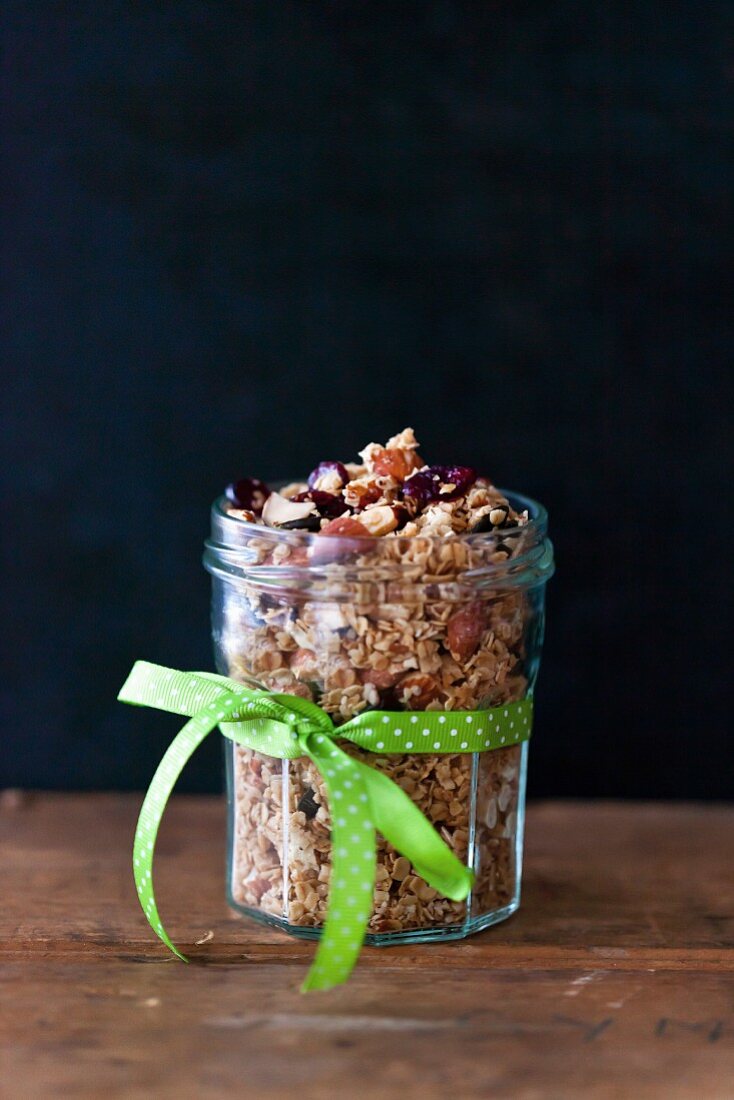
(232, 551)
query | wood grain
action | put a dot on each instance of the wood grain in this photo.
(615, 979)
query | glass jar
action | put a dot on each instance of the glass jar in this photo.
(418, 623)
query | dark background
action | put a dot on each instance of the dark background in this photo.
(239, 238)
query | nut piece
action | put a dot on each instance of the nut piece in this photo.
(381, 678)
(401, 870)
(395, 463)
(304, 664)
(416, 690)
(278, 510)
(345, 527)
(490, 815)
(363, 491)
(347, 539)
(379, 521)
(464, 630)
(403, 441)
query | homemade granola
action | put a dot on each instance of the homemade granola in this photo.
(373, 585)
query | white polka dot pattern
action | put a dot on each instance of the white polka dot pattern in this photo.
(287, 727)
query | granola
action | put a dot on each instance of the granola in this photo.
(374, 585)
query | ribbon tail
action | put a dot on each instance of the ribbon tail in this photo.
(354, 859)
(363, 800)
(183, 693)
(174, 761)
(404, 826)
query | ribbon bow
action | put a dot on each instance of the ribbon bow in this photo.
(361, 799)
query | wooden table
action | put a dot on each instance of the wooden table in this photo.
(615, 979)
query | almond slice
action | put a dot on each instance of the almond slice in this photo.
(278, 510)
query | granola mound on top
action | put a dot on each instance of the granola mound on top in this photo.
(398, 629)
(391, 493)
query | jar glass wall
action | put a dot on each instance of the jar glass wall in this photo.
(391, 624)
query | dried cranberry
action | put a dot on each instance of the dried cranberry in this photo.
(424, 486)
(329, 505)
(337, 469)
(250, 493)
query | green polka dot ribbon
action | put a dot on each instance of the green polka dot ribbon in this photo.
(361, 798)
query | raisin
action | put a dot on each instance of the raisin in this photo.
(307, 803)
(329, 505)
(402, 515)
(249, 493)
